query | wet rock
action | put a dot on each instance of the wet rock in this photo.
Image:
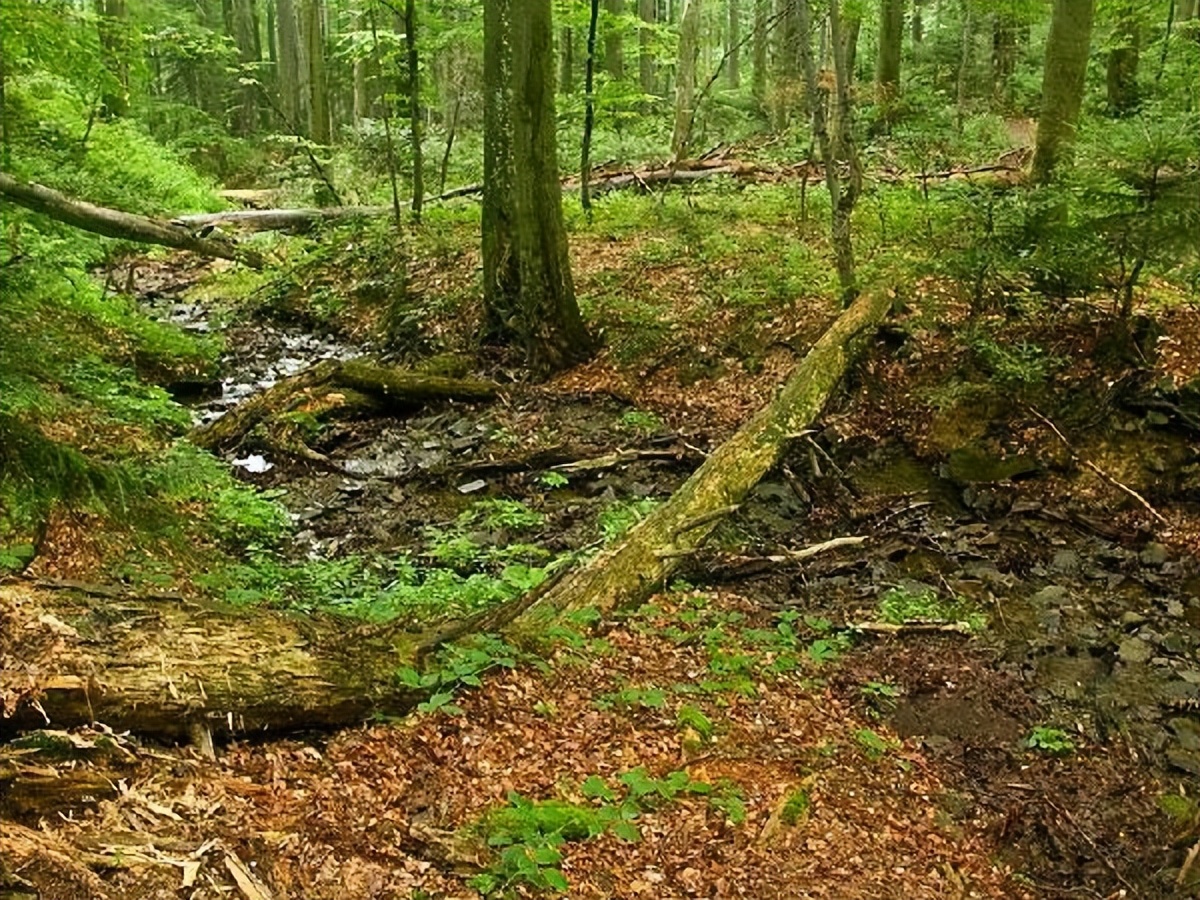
(1187, 760)
(1154, 554)
(1066, 562)
(1134, 650)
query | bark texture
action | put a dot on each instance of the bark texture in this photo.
(1122, 69)
(685, 79)
(891, 38)
(116, 224)
(528, 292)
(1062, 84)
(292, 101)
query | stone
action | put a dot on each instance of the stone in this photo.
(1175, 609)
(1187, 760)
(1066, 562)
(1050, 595)
(1132, 619)
(1134, 650)
(1187, 732)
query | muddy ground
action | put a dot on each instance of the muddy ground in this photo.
(1092, 609)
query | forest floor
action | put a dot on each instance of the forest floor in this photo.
(1049, 746)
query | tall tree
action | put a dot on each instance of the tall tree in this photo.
(245, 38)
(1004, 52)
(614, 39)
(414, 107)
(1122, 69)
(1062, 84)
(648, 13)
(833, 130)
(891, 40)
(758, 87)
(733, 66)
(293, 73)
(319, 123)
(113, 25)
(528, 292)
(685, 78)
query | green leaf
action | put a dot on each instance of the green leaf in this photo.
(596, 787)
(627, 831)
(555, 879)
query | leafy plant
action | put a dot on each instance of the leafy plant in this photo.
(874, 746)
(618, 518)
(1051, 741)
(900, 605)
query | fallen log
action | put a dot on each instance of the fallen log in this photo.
(117, 224)
(336, 385)
(188, 670)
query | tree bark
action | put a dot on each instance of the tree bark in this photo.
(320, 125)
(245, 37)
(647, 12)
(1004, 54)
(566, 61)
(113, 25)
(589, 114)
(114, 223)
(528, 292)
(685, 79)
(1062, 85)
(762, 13)
(1122, 69)
(292, 85)
(891, 40)
(416, 127)
(614, 39)
(733, 65)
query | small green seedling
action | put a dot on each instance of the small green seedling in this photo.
(1051, 741)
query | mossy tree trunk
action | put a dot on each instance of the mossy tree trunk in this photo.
(320, 125)
(245, 37)
(891, 40)
(1062, 85)
(758, 87)
(614, 39)
(528, 292)
(733, 65)
(647, 12)
(113, 24)
(1122, 70)
(685, 79)
(292, 101)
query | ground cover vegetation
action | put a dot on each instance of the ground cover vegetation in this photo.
(619, 448)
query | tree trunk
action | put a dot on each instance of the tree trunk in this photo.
(528, 292)
(320, 125)
(179, 668)
(918, 22)
(733, 65)
(566, 61)
(113, 25)
(1062, 84)
(1004, 54)
(245, 37)
(685, 79)
(1122, 69)
(647, 12)
(851, 27)
(614, 39)
(762, 13)
(414, 107)
(292, 85)
(966, 46)
(891, 40)
(589, 113)
(116, 224)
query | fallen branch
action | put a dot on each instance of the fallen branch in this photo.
(335, 385)
(914, 628)
(117, 224)
(1104, 476)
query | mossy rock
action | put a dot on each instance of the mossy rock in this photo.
(974, 465)
(447, 365)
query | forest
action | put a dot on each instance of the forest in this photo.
(599, 448)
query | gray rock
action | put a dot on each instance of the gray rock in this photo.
(1187, 760)
(1051, 595)
(1134, 650)
(1187, 732)
(1066, 562)
(1132, 619)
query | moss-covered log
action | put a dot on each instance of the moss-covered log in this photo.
(185, 670)
(653, 549)
(332, 386)
(114, 223)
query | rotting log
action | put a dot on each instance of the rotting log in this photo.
(114, 223)
(187, 670)
(38, 864)
(336, 385)
(654, 548)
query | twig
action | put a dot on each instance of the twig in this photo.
(914, 628)
(1187, 864)
(1104, 476)
(1108, 863)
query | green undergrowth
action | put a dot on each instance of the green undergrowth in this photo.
(526, 836)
